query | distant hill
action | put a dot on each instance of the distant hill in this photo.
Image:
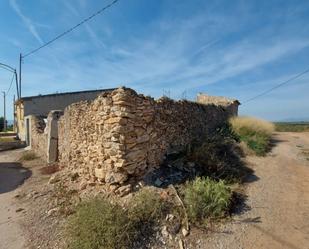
(295, 120)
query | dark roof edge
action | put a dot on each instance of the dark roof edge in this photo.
(65, 93)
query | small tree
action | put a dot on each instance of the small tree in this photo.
(1, 123)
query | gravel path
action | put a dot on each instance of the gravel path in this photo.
(278, 201)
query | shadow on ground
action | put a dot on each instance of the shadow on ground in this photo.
(274, 142)
(4, 146)
(12, 175)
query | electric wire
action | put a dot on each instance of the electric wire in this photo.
(71, 29)
(7, 92)
(3, 66)
(277, 86)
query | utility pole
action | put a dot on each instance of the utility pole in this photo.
(4, 114)
(12, 70)
(17, 87)
(14, 111)
(20, 61)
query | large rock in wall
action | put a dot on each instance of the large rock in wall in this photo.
(123, 135)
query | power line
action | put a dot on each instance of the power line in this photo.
(277, 86)
(71, 29)
(7, 92)
(3, 66)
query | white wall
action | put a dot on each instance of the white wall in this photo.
(42, 105)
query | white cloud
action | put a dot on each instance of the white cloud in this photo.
(27, 21)
(180, 55)
(94, 37)
(97, 41)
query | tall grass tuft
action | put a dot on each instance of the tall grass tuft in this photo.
(206, 198)
(100, 224)
(254, 124)
(146, 206)
(256, 133)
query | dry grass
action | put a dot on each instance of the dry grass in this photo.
(99, 223)
(146, 206)
(258, 125)
(7, 139)
(28, 156)
(256, 133)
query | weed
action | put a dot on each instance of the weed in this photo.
(255, 133)
(146, 206)
(100, 224)
(28, 156)
(206, 198)
(219, 157)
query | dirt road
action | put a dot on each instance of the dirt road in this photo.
(12, 175)
(277, 214)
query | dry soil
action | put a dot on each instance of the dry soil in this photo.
(275, 214)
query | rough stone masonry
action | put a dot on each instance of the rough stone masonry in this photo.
(122, 135)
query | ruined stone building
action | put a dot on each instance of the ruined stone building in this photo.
(41, 105)
(230, 104)
(122, 135)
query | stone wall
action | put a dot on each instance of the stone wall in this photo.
(230, 105)
(38, 136)
(122, 135)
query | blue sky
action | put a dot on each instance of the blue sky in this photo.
(230, 48)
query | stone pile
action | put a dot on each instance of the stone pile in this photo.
(122, 135)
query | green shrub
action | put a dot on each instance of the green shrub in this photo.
(257, 141)
(146, 206)
(99, 224)
(254, 132)
(28, 156)
(206, 198)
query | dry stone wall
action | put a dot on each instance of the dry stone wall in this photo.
(122, 135)
(230, 105)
